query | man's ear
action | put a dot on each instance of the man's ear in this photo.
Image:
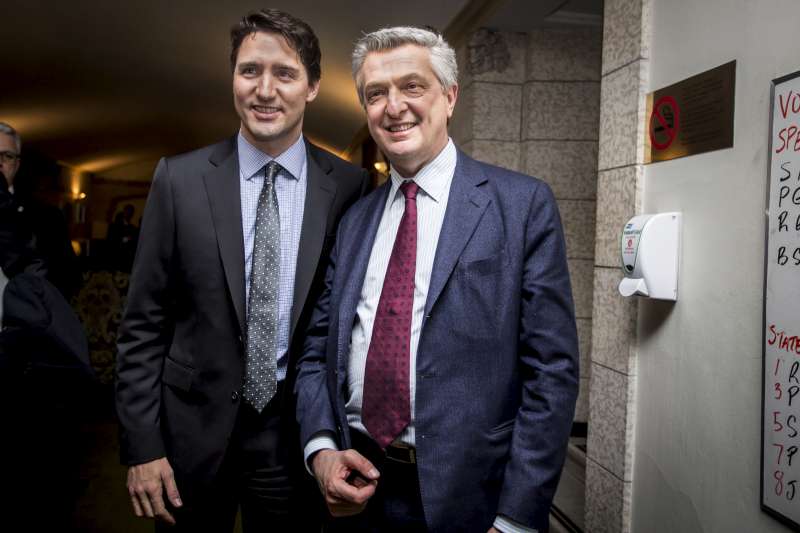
(452, 96)
(313, 90)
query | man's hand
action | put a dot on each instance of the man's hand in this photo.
(347, 480)
(146, 485)
(494, 530)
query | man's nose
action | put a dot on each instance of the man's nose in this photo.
(396, 104)
(266, 86)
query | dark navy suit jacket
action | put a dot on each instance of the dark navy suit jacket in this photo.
(497, 362)
(181, 348)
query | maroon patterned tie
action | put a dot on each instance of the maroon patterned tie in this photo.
(386, 408)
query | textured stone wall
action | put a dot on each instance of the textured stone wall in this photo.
(488, 116)
(609, 465)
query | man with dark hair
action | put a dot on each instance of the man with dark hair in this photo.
(297, 34)
(231, 256)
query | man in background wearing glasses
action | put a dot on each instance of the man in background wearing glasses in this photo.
(10, 147)
(50, 237)
(44, 358)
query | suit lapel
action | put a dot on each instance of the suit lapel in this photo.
(355, 258)
(222, 187)
(320, 192)
(465, 207)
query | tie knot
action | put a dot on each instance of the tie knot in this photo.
(272, 170)
(409, 189)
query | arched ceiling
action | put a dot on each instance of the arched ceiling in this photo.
(109, 87)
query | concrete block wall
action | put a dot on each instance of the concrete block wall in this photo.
(609, 464)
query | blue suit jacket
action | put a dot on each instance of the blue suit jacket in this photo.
(497, 362)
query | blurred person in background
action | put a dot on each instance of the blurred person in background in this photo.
(44, 377)
(122, 237)
(50, 237)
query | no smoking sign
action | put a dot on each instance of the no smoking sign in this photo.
(692, 116)
(664, 122)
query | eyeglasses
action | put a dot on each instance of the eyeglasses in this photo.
(9, 157)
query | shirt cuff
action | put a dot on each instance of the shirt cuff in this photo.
(506, 525)
(321, 440)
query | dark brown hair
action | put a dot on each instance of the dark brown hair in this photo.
(297, 33)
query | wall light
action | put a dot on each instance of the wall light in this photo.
(381, 167)
(78, 181)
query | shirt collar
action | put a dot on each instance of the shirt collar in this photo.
(433, 178)
(252, 160)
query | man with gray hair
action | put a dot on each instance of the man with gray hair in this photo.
(10, 148)
(440, 370)
(16, 238)
(49, 236)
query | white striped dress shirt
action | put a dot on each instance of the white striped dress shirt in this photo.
(434, 181)
(290, 188)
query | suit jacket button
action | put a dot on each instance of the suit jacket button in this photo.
(235, 396)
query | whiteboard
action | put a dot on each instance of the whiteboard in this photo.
(780, 423)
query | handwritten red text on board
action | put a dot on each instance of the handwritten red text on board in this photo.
(789, 136)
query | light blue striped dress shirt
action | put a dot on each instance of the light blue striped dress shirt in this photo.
(290, 188)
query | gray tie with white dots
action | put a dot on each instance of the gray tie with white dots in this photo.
(262, 319)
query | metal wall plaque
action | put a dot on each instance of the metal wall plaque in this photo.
(692, 116)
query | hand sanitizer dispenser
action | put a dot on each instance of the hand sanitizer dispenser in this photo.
(650, 255)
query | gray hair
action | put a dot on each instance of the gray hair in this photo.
(443, 57)
(8, 130)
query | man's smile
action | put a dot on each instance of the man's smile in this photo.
(265, 110)
(394, 128)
